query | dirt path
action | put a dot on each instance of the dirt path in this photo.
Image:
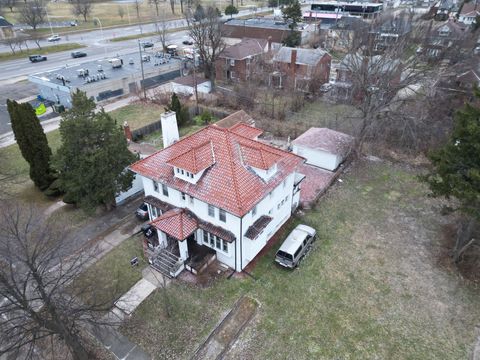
(225, 334)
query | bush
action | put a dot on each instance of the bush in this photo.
(54, 189)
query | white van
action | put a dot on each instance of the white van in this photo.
(295, 246)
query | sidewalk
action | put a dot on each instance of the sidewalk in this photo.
(8, 139)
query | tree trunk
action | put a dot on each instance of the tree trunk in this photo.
(77, 350)
(464, 239)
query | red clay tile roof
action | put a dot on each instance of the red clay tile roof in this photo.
(178, 223)
(227, 184)
(258, 157)
(217, 230)
(257, 227)
(246, 130)
(196, 159)
(325, 139)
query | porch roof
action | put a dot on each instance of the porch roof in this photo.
(152, 200)
(257, 227)
(178, 223)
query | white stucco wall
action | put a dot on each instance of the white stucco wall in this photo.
(318, 158)
(137, 186)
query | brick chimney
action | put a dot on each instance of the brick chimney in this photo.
(293, 62)
(127, 132)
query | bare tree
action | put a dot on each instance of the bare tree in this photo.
(207, 35)
(156, 3)
(137, 8)
(15, 42)
(162, 31)
(34, 277)
(82, 8)
(9, 4)
(33, 13)
(36, 38)
(120, 11)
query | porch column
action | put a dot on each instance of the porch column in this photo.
(182, 246)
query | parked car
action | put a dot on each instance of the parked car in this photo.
(78, 54)
(54, 38)
(37, 58)
(142, 212)
(147, 44)
(187, 42)
(73, 23)
(295, 246)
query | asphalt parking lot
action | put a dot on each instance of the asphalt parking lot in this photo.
(17, 91)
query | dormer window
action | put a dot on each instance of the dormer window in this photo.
(262, 161)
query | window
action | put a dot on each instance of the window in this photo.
(298, 251)
(225, 246)
(191, 175)
(182, 171)
(154, 212)
(178, 170)
(278, 206)
(222, 215)
(270, 212)
(165, 189)
(155, 185)
(191, 200)
(284, 183)
(232, 62)
(183, 196)
(212, 240)
(211, 210)
(218, 242)
(254, 211)
(270, 194)
(205, 237)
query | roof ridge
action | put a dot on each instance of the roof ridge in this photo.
(234, 179)
(189, 150)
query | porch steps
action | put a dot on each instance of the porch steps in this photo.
(165, 262)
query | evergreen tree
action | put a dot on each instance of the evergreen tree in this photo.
(292, 14)
(180, 110)
(93, 157)
(231, 10)
(456, 172)
(32, 142)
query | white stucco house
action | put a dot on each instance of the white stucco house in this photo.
(322, 147)
(219, 191)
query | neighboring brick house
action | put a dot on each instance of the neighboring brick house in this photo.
(300, 68)
(236, 61)
(218, 193)
(470, 11)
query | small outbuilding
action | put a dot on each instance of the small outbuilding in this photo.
(322, 147)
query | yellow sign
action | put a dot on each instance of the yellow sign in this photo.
(41, 109)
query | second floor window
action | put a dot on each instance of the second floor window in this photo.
(211, 210)
(183, 196)
(222, 215)
(164, 189)
(254, 211)
(155, 185)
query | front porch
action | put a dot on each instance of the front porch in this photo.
(173, 242)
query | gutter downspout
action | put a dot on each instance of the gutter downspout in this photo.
(241, 244)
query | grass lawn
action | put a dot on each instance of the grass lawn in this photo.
(375, 286)
(137, 114)
(156, 140)
(44, 51)
(18, 183)
(112, 275)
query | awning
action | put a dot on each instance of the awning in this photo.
(152, 200)
(257, 227)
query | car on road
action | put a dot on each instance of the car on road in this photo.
(142, 212)
(187, 42)
(78, 54)
(54, 37)
(147, 44)
(295, 246)
(37, 58)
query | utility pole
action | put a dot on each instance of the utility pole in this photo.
(195, 82)
(143, 74)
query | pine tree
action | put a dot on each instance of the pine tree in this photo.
(456, 172)
(93, 157)
(32, 142)
(292, 14)
(180, 110)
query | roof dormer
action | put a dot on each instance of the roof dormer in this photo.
(260, 160)
(190, 165)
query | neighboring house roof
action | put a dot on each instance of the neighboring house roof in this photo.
(350, 23)
(246, 130)
(4, 22)
(179, 223)
(469, 77)
(235, 118)
(456, 29)
(229, 183)
(353, 62)
(327, 140)
(244, 49)
(304, 56)
(189, 80)
(470, 9)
